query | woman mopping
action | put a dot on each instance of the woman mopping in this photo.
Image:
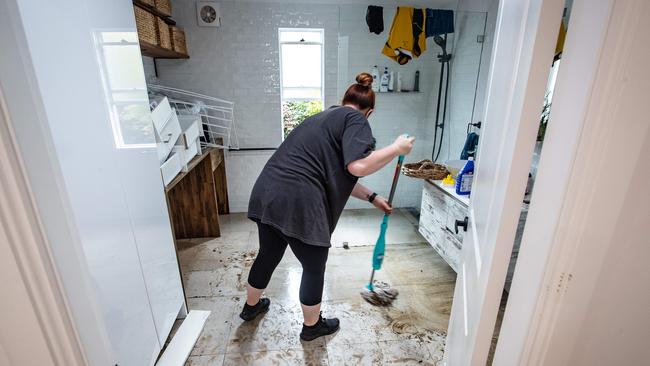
(301, 192)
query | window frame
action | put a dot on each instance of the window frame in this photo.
(322, 68)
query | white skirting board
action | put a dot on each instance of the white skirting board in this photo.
(181, 345)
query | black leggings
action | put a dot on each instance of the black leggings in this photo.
(313, 258)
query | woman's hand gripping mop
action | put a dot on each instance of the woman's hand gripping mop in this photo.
(377, 292)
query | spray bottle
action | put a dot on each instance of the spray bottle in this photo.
(464, 178)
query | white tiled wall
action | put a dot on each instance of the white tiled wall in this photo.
(239, 61)
(395, 113)
(466, 59)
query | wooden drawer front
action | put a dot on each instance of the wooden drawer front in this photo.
(430, 228)
(456, 211)
(434, 201)
(450, 251)
(191, 126)
(161, 114)
(170, 168)
(167, 137)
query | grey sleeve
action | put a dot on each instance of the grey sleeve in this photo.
(357, 141)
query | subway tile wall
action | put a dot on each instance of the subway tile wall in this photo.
(395, 113)
(239, 61)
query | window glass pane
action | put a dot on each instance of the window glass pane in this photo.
(124, 67)
(301, 93)
(296, 111)
(297, 36)
(120, 37)
(301, 65)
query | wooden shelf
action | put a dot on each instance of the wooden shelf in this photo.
(156, 51)
(154, 11)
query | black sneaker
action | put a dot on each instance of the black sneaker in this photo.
(251, 312)
(322, 327)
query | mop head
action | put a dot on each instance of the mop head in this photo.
(381, 294)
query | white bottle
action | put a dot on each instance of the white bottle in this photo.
(375, 78)
(399, 82)
(383, 87)
(391, 81)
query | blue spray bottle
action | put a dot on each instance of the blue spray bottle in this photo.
(465, 177)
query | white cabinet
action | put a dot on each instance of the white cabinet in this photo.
(440, 209)
(101, 144)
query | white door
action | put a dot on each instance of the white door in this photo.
(525, 38)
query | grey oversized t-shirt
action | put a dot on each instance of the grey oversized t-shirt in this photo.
(304, 186)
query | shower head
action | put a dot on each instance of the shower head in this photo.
(440, 42)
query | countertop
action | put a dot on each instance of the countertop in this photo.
(450, 191)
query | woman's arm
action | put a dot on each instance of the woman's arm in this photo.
(379, 158)
(361, 192)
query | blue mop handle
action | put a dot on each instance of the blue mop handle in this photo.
(380, 246)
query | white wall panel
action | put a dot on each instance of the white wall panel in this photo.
(114, 189)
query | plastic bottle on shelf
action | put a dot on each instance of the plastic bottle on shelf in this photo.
(448, 181)
(399, 82)
(391, 81)
(383, 86)
(375, 78)
(416, 85)
(464, 178)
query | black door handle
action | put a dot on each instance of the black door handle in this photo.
(462, 223)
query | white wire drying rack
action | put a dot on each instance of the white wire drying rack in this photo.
(217, 115)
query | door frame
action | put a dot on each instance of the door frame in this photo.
(37, 326)
(44, 245)
(551, 250)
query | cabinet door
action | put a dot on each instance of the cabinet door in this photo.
(455, 211)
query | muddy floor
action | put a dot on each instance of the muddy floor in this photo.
(410, 332)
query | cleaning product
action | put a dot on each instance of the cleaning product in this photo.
(399, 82)
(391, 81)
(416, 85)
(375, 78)
(385, 78)
(465, 177)
(449, 181)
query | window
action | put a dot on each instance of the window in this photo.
(125, 89)
(301, 70)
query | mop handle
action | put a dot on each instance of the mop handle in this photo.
(398, 169)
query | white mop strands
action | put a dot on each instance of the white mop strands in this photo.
(381, 294)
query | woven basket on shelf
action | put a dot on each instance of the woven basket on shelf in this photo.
(164, 34)
(425, 169)
(164, 7)
(146, 24)
(178, 40)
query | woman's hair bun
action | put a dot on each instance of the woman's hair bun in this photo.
(364, 79)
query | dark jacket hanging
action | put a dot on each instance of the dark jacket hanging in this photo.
(375, 19)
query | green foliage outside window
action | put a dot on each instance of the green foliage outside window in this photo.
(296, 111)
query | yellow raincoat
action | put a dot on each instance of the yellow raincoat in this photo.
(406, 39)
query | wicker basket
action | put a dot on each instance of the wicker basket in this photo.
(425, 169)
(164, 7)
(164, 34)
(151, 3)
(178, 40)
(146, 24)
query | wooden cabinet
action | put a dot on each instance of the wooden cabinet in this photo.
(194, 198)
(440, 209)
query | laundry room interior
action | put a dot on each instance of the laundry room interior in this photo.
(209, 91)
(275, 63)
